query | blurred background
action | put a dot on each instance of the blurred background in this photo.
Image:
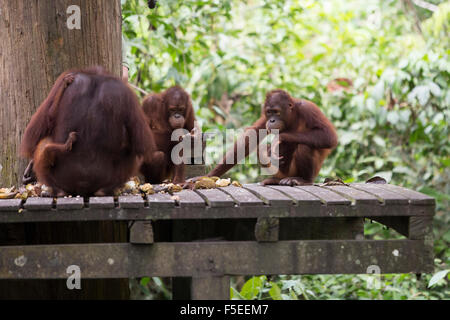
(379, 69)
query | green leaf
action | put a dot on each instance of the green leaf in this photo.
(252, 288)
(393, 117)
(437, 277)
(275, 291)
(379, 141)
(145, 281)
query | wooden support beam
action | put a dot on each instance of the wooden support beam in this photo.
(420, 227)
(141, 232)
(267, 229)
(168, 211)
(185, 259)
(210, 288)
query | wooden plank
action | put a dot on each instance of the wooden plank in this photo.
(242, 196)
(356, 196)
(131, 202)
(38, 204)
(386, 196)
(186, 259)
(269, 196)
(101, 203)
(413, 196)
(10, 204)
(69, 203)
(216, 198)
(161, 200)
(141, 232)
(188, 198)
(420, 227)
(267, 229)
(328, 197)
(236, 212)
(210, 288)
(299, 196)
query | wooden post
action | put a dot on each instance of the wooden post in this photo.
(36, 47)
(210, 288)
(40, 40)
(141, 232)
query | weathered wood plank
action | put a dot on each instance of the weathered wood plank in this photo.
(141, 232)
(101, 203)
(414, 197)
(131, 202)
(299, 196)
(267, 229)
(386, 196)
(216, 198)
(10, 205)
(188, 198)
(210, 288)
(237, 212)
(357, 196)
(38, 204)
(216, 258)
(269, 196)
(242, 196)
(420, 227)
(327, 196)
(160, 200)
(69, 203)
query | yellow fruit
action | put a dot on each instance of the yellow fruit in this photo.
(205, 183)
(236, 184)
(147, 188)
(223, 182)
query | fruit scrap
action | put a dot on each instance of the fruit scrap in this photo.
(8, 193)
(175, 188)
(223, 182)
(334, 182)
(168, 188)
(131, 187)
(205, 183)
(236, 184)
(147, 188)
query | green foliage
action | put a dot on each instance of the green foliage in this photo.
(337, 287)
(392, 116)
(438, 277)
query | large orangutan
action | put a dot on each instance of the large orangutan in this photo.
(89, 135)
(166, 112)
(306, 138)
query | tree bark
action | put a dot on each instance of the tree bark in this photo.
(36, 46)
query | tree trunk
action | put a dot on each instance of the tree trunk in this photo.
(36, 46)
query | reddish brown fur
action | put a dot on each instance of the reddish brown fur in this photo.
(307, 137)
(162, 122)
(89, 136)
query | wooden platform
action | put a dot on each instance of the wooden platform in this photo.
(252, 201)
(209, 235)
